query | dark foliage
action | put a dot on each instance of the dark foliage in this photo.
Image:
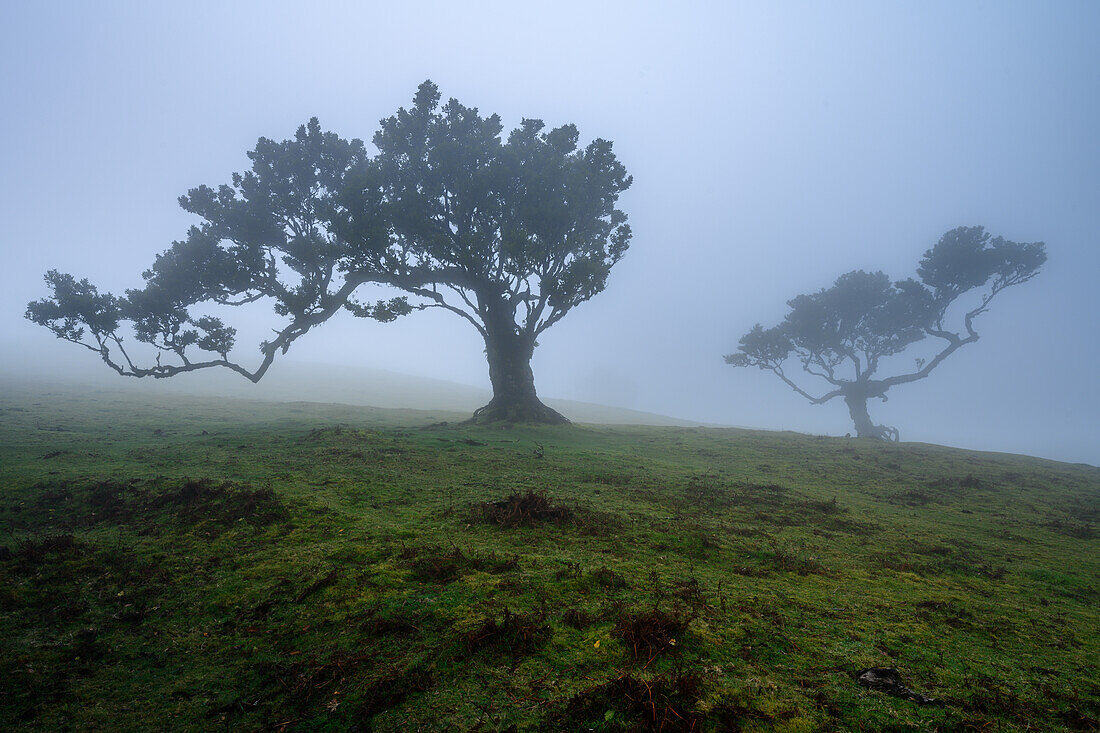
(308, 684)
(524, 510)
(651, 632)
(663, 702)
(436, 564)
(577, 618)
(515, 634)
(32, 551)
(224, 502)
(219, 505)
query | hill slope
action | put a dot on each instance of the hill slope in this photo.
(292, 381)
(190, 562)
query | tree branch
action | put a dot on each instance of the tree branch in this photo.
(954, 343)
(439, 302)
(778, 371)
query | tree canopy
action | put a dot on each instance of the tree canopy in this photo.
(840, 335)
(510, 235)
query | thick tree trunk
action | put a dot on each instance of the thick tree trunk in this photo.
(514, 398)
(857, 408)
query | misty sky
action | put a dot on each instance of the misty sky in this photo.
(773, 146)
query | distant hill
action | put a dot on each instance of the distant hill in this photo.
(291, 381)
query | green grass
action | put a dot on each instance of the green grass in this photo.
(189, 564)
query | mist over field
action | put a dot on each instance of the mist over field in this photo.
(773, 148)
(616, 366)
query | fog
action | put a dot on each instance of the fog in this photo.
(773, 147)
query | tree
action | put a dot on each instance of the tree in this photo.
(510, 236)
(842, 334)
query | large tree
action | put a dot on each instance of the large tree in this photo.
(841, 335)
(508, 235)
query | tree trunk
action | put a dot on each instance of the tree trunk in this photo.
(514, 398)
(857, 408)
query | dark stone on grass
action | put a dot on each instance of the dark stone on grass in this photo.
(888, 680)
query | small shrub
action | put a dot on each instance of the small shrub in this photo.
(523, 510)
(649, 633)
(571, 571)
(224, 503)
(35, 550)
(665, 703)
(577, 618)
(516, 634)
(1070, 527)
(435, 564)
(795, 561)
(607, 578)
(691, 592)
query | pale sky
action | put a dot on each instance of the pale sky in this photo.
(774, 146)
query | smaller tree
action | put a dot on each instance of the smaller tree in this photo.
(841, 335)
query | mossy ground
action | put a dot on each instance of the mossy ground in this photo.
(191, 564)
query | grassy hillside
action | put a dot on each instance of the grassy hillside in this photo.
(188, 563)
(291, 381)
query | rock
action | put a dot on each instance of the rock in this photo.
(888, 680)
